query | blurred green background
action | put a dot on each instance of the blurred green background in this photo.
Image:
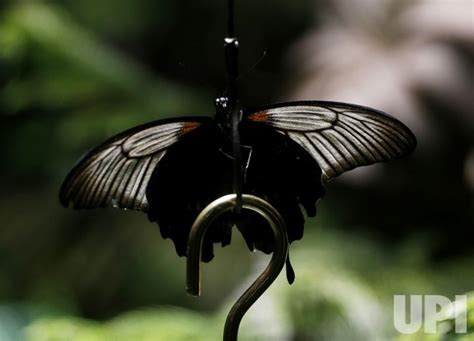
(73, 73)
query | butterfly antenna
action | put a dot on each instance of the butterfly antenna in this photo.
(231, 45)
(253, 67)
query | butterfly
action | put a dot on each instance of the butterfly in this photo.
(171, 169)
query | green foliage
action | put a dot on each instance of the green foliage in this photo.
(332, 299)
(75, 66)
(159, 324)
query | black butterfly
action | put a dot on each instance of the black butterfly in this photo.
(171, 169)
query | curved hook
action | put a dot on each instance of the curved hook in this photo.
(196, 236)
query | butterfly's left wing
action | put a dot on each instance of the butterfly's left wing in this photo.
(117, 172)
(339, 136)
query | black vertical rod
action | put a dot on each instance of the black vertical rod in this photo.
(230, 19)
(231, 45)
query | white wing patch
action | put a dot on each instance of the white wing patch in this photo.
(151, 140)
(117, 173)
(339, 136)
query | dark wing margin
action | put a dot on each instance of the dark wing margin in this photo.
(339, 136)
(117, 172)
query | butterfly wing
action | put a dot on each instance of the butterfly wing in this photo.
(117, 172)
(339, 136)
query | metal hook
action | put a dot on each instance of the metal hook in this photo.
(266, 278)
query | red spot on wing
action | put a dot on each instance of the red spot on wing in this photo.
(260, 116)
(189, 126)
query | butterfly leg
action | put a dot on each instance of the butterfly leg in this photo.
(248, 156)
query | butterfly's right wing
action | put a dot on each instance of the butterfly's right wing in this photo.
(118, 171)
(339, 136)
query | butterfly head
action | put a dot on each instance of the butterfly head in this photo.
(223, 112)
